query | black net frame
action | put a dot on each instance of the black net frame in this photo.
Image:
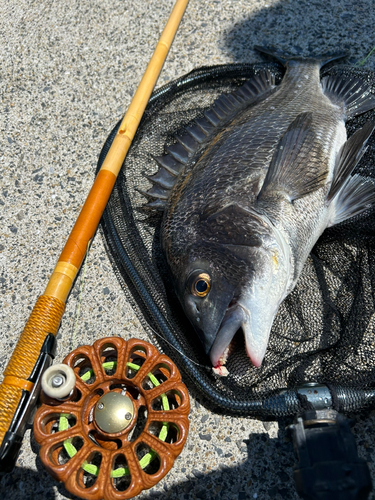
(324, 331)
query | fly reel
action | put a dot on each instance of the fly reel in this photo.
(120, 428)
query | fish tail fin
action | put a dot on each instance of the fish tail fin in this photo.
(284, 58)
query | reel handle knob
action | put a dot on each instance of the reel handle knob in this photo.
(58, 381)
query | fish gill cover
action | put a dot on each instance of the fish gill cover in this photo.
(324, 330)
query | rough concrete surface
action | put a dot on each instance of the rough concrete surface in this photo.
(68, 72)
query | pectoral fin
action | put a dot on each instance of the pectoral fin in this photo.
(292, 171)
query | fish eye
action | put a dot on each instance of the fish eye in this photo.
(200, 284)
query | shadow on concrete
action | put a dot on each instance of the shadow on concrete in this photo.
(304, 28)
(264, 474)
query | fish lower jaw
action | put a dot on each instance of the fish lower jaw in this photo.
(219, 360)
(220, 353)
(219, 368)
(224, 357)
(224, 342)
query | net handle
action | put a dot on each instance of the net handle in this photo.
(49, 308)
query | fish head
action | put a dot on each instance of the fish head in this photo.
(226, 284)
(254, 306)
(205, 293)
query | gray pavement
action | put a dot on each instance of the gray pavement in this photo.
(68, 71)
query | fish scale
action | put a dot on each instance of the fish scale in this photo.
(271, 171)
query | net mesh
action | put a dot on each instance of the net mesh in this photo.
(324, 330)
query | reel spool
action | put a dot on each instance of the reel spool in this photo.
(120, 429)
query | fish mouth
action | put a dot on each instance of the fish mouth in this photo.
(234, 319)
(237, 317)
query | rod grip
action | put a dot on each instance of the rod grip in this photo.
(45, 318)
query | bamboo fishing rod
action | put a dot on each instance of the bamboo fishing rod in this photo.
(20, 387)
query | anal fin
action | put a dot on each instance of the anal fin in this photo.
(351, 195)
(355, 196)
(349, 156)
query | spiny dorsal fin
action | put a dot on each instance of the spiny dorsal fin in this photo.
(179, 153)
(155, 205)
(348, 157)
(197, 134)
(291, 170)
(173, 166)
(188, 142)
(353, 92)
(156, 192)
(162, 178)
(356, 195)
(228, 105)
(203, 129)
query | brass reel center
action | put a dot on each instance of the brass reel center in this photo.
(113, 412)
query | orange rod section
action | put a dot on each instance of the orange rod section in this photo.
(88, 220)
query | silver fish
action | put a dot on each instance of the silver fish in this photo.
(248, 190)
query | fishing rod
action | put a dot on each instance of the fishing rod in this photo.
(35, 349)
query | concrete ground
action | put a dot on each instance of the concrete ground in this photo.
(68, 71)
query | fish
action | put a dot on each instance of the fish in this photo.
(247, 190)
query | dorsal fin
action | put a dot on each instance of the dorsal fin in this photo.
(204, 129)
(170, 164)
(179, 152)
(162, 178)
